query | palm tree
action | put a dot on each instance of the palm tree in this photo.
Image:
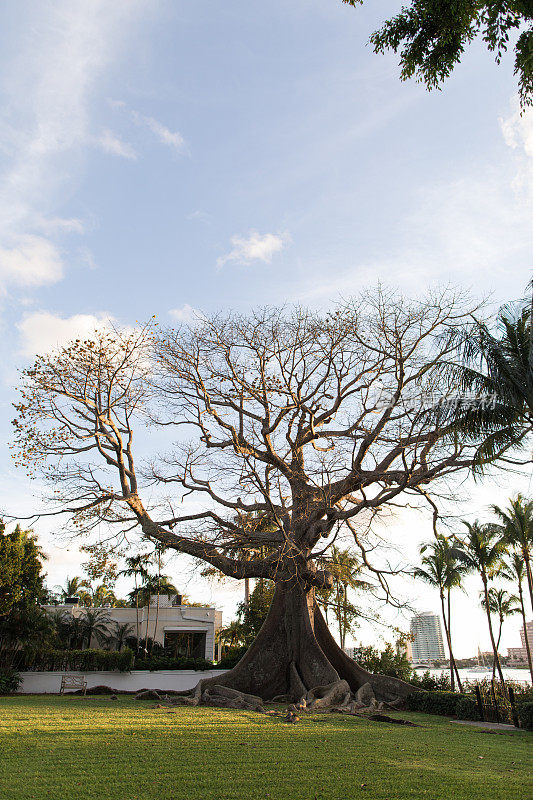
(163, 586)
(136, 568)
(517, 529)
(514, 571)
(153, 584)
(443, 570)
(344, 566)
(497, 372)
(502, 605)
(95, 623)
(482, 550)
(119, 634)
(74, 587)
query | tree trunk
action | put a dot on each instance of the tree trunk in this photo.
(295, 652)
(247, 592)
(137, 613)
(449, 641)
(493, 642)
(452, 671)
(528, 649)
(529, 577)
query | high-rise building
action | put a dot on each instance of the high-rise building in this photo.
(427, 644)
(518, 655)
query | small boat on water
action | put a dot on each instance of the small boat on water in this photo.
(481, 666)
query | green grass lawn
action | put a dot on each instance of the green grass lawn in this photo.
(76, 748)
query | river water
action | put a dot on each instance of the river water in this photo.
(509, 673)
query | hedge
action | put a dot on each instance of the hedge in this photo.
(525, 714)
(9, 681)
(164, 662)
(447, 704)
(77, 660)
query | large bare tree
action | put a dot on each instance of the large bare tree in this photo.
(314, 421)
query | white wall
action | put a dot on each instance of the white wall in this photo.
(178, 680)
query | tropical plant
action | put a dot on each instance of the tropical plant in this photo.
(482, 550)
(94, 624)
(136, 568)
(444, 571)
(74, 587)
(517, 530)
(119, 634)
(495, 383)
(344, 566)
(502, 605)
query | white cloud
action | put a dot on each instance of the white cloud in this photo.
(31, 261)
(47, 88)
(186, 315)
(111, 144)
(517, 130)
(254, 247)
(164, 135)
(161, 132)
(42, 331)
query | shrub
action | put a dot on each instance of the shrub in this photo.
(232, 656)
(467, 708)
(82, 660)
(9, 681)
(431, 683)
(443, 703)
(525, 714)
(153, 663)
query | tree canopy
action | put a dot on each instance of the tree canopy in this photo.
(431, 36)
(312, 421)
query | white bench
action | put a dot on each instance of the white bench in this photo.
(73, 682)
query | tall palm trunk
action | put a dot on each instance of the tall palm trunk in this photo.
(452, 665)
(523, 611)
(147, 623)
(137, 612)
(448, 639)
(497, 647)
(247, 592)
(527, 562)
(492, 640)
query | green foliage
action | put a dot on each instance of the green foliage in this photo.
(9, 681)
(495, 378)
(447, 704)
(232, 656)
(163, 662)
(76, 660)
(431, 683)
(525, 714)
(390, 661)
(243, 630)
(21, 576)
(431, 36)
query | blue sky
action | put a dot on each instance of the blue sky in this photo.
(160, 157)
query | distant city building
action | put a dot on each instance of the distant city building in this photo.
(427, 644)
(518, 655)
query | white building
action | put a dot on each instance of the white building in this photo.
(186, 630)
(518, 655)
(427, 644)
